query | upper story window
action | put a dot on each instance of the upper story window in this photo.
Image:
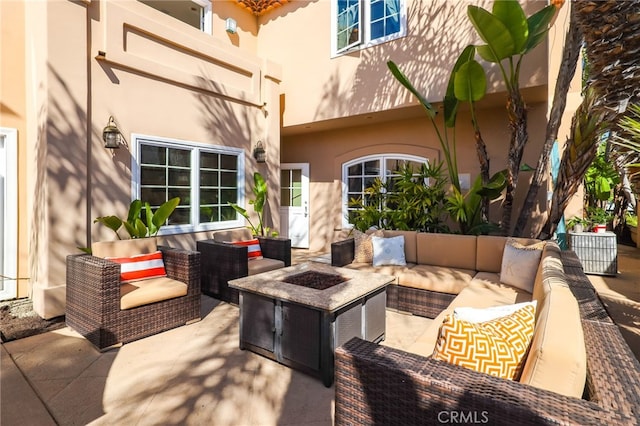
(364, 23)
(196, 13)
(361, 173)
(205, 177)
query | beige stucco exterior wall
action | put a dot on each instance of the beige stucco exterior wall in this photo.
(156, 76)
(13, 110)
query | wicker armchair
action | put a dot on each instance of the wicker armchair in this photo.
(382, 385)
(223, 262)
(93, 299)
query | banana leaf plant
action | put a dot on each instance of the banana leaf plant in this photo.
(260, 191)
(134, 225)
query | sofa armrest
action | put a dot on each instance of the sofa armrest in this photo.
(342, 252)
(381, 385)
(93, 285)
(183, 265)
(276, 248)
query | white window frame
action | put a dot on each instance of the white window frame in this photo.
(9, 170)
(364, 36)
(382, 174)
(205, 19)
(195, 147)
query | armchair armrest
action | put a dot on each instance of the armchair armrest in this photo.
(183, 265)
(93, 286)
(276, 248)
(342, 252)
(220, 262)
(381, 385)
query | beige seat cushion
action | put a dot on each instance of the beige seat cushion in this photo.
(476, 295)
(265, 264)
(449, 250)
(143, 292)
(410, 248)
(394, 270)
(557, 358)
(124, 248)
(229, 235)
(436, 278)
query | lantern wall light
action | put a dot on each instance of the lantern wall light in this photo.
(111, 135)
(259, 153)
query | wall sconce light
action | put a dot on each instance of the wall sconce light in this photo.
(259, 153)
(111, 135)
(231, 25)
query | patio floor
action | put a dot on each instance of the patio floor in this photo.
(197, 375)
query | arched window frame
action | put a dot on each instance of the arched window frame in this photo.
(383, 173)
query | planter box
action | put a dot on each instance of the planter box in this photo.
(598, 252)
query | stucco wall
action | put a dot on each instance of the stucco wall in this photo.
(156, 76)
(318, 87)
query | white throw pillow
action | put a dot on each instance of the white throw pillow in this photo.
(475, 315)
(520, 264)
(388, 251)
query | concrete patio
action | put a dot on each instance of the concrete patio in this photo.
(197, 375)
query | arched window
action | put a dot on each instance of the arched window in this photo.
(361, 173)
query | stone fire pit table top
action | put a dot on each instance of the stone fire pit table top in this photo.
(271, 284)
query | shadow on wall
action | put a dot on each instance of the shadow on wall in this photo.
(70, 178)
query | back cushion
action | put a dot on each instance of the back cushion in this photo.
(230, 235)
(124, 248)
(449, 250)
(490, 249)
(550, 272)
(410, 248)
(557, 358)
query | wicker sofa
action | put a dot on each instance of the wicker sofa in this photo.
(108, 313)
(223, 262)
(381, 385)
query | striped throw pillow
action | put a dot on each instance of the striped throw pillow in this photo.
(254, 251)
(496, 347)
(141, 266)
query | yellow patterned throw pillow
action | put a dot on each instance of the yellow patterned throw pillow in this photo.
(496, 347)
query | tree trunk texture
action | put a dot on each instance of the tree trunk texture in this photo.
(570, 55)
(611, 30)
(483, 158)
(517, 115)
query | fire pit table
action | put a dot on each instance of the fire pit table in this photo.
(299, 315)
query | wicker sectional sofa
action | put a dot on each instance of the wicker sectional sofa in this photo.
(579, 370)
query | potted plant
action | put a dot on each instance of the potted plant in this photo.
(598, 218)
(134, 225)
(577, 224)
(260, 191)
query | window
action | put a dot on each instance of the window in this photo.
(291, 188)
(205, 177)
(196, 13)
(361, 173)
(364, 23)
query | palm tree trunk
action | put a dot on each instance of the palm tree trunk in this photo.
(517, 114)
(570, 55)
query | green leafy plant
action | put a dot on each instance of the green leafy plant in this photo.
(576, 220)
(409, 200)
(598, 215)
(260, 191)
(135, 226)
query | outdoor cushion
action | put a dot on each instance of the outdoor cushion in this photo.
(138, 293)
(436, 278)
(557, 357)
(489, 251)
(363, 249)
(140, 266)
(449, 250)
(470, 314)
(228, 235)
(394, 270)
(477, 295)
(520, 264)
(388, 251)
(496, 347)
(410, 248)
(124, 248)
(254, 252)
(263, 265)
